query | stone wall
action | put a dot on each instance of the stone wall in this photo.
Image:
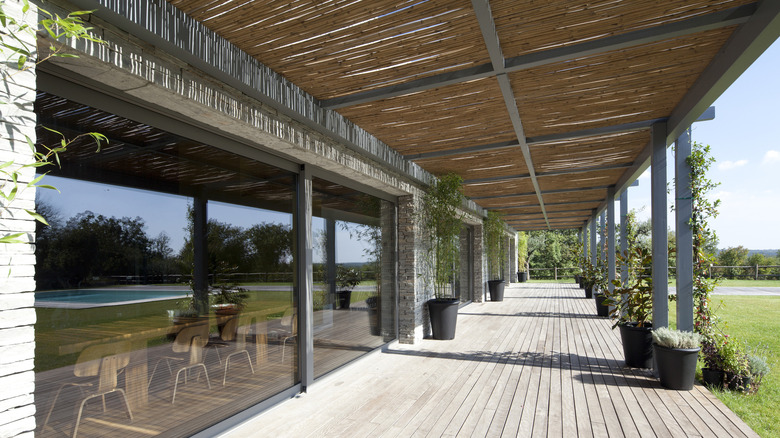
(17, 261)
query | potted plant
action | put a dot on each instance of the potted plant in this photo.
(522, 257)
(589, 277)
(228, 299)
(676, 354)
(346, 280)
(632, 309)
(372, 303)
(736, 366)
(600, 283)
(441, 225)
(494, 232)
(758, 367)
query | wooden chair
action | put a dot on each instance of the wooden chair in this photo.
(289, 328)
(98, 367)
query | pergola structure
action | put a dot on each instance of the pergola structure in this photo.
(548, 110)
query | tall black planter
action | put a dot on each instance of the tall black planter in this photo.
(522, 277)
(601, 308)
(496, 289)
(444, 317)
(676, 366)
(637, 345)
(588, 291)
(345, 298)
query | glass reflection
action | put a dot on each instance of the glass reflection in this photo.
(354, 296)
(165, 296)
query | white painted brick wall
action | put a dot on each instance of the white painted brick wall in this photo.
(17, 261)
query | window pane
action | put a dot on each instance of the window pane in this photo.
(354, 293)
(118, 310)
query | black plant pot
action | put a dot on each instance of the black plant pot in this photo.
(637, 345)
(601, 308)
(444, 317)
(588, 291)
(496, 289)
(676, 366)
(736, 382)
(345, 297)
(522, 277)
(712, 378)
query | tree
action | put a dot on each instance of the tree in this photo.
(271, 246)
(733, 256)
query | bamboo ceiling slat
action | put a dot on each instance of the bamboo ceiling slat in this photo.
(596, 151)
(640, 83)
(524, 200)
(580, 180)
(333, 48)
(443, 118)
(526, 27)
(555, 198)
(499, 188)
(475, 165)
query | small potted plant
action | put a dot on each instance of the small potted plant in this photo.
(228, 299)
(712, 372)
(494, 231)
(758, 367)
(346, 280)
(601, 290)
(676, 354)
(735, 364)
(633, 310)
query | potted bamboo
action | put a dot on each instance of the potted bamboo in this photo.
(494, 231)
(442, 224)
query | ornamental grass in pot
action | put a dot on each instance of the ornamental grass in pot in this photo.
(633, 309)
(676, 354)
(494, 232)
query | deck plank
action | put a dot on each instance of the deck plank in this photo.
(540, 363)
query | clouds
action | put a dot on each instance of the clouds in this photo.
(771, 157)
(728, 165)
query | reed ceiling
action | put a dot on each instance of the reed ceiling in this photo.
(542, 107)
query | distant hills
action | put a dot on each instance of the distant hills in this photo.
(766, 252)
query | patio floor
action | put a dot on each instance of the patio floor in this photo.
(539, 363)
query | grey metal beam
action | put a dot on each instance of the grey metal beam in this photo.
(683, 209)
(660, 248)
(592, 230)
(611, 239)
(551, 173)
(605, 130)
(545, 192)
(490, 36)
(715, 20)
(747, 43)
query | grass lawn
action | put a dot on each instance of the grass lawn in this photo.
(755, 320)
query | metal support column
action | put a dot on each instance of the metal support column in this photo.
(593, 240)
(611, 238)
(624, 235)
(683, 207)
(602, 242)
(305, 278)
(659, 227)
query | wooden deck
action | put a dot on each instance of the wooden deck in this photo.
(540, 363)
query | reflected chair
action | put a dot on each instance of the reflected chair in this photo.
(98, 367)
(237, 330)
(190, 340)
(289, 328)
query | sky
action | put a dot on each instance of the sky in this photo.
(744, 141)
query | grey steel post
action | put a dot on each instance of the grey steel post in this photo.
(624, 235)
(305, 277)
(611, 238)
(602, 243)
(659, 226)
(593, 240)
(200, 269)
(683, 207)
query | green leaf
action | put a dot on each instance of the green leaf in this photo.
(46, 186)
(12, 238)
(26, 6)
(6, 164)
(37, 217)
(77, 13)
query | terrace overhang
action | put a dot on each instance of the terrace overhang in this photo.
(534, 105)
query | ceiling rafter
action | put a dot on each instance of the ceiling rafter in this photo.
(551, 173)
(490, 35)
(545, 192)
(728, 17)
